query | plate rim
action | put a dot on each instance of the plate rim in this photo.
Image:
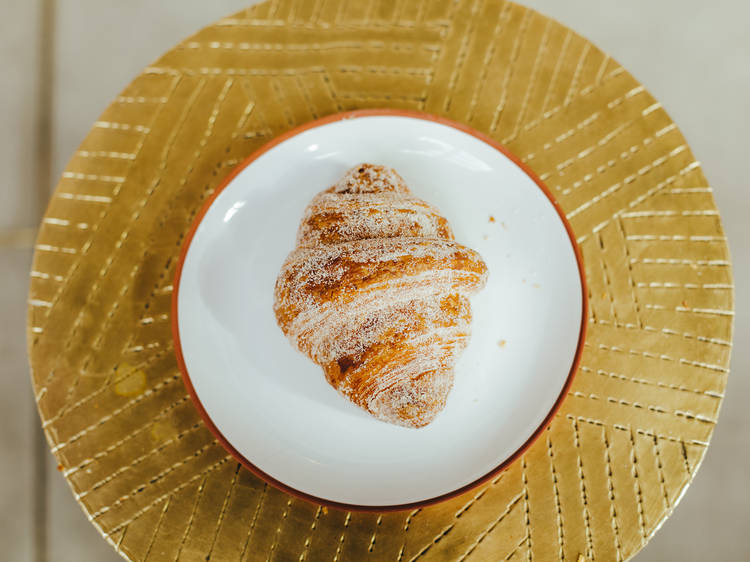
(354, 114)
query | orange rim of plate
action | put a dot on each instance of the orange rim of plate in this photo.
(324, 121)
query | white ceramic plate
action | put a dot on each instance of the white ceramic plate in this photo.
(271, 406)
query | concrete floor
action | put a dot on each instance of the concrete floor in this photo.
(63, 60)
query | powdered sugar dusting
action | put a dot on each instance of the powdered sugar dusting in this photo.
(367, 178)
(376, 292)
(335, 217)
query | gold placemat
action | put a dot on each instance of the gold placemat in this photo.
(635, 427)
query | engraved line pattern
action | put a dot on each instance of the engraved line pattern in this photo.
(515, 501)
(637, 483)
(223, 511)
(251, 528)
(584, 495)
(612, 498)
(613, 158)
(313, 526)
(102, 273)
(157, 527)
(560, 531)
(277, 535)
(189, 526)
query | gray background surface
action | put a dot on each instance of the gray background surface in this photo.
(62, 61)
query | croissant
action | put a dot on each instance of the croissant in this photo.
(376, 292)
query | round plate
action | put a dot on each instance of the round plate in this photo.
(272, 408)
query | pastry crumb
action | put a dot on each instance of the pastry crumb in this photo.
(536, 285)
(325, 510)
(492, 219)
(685, 304)
(501, 343)
(485, 237)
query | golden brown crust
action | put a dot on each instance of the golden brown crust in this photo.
(376, 292)
(338, 274)
(337, 217)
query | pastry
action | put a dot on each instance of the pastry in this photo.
(377, 293)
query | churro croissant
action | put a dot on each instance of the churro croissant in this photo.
(376, 292)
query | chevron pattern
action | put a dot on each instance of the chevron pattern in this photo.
(633, 431)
